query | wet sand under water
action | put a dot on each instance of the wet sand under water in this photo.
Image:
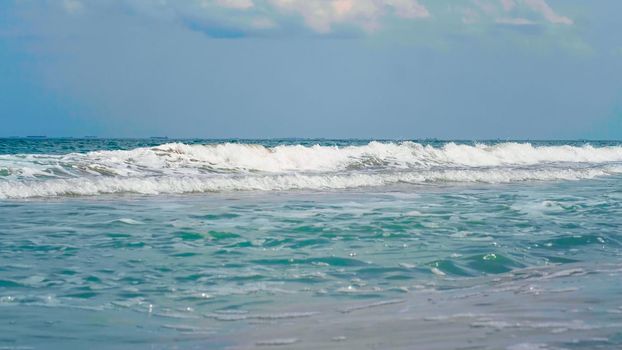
(538, 308)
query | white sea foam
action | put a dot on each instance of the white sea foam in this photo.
(326, 158)
(297, 158)
(181, 168)
(189, 184)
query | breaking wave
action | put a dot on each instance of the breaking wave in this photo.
(181, 168)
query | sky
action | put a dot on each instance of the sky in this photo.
(403, 69)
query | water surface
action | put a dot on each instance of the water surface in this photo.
(309, 244)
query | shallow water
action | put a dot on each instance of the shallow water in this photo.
(514, 264)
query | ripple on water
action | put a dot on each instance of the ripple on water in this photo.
(277, 342)
(395, 273)
(87, 293)
(320, 261)
(566, 241)
(444, 267)
(10, 284)
(190, 236)
(492, 263)
(309, 243)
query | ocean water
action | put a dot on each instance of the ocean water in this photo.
(306, 244)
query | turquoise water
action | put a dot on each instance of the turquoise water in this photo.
(158, 244)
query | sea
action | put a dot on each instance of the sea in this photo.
(310, 244)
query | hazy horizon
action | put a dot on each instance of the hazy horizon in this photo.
(294, 138)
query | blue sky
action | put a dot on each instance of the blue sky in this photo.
(468, 69)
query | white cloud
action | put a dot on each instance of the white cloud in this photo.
(515, 21)
(236, 4)
(326, 16)
(513, 12)
(543, 8)
(322, 15)
(408, 8)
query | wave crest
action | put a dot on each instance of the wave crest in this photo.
(182, 168)
(198, 184)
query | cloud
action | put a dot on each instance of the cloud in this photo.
(408, 8)
(322, 15)
(517, 21)
(544, 9)
(249, 16)
(242, 18)
(236, 4)
(520, 12)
